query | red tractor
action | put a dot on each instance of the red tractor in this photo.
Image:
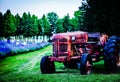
(81, 49)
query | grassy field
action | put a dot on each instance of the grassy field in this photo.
(25, 68)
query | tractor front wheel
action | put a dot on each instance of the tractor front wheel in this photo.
(86, 64)
(46, 66)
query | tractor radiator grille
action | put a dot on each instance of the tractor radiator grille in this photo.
(63, 40)
(63, 48)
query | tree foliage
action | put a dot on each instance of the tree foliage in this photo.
(34, 28)
(53, 19)
(59, 25)
(29, 25)
(66, 23)
(45, 26)
(74, 24)
(8, 24)
(24, 23)
(1, 28)
(40, 27)
(93, 16)
(18, 25)
(102, 16)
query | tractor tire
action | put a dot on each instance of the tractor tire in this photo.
(111, 53)
(86, 64)
(46, 66)
(72, 64)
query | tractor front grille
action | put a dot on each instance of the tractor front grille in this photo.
(63, 40)
(63, 48)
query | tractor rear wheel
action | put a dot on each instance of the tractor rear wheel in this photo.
(112, 53)
(86, 64)
(46, 66)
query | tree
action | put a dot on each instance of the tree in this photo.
(74, 23)
(60, 28)
(29, 25)
(52, 18)
(18, 25)
(24, 23)
(46, 30)
(8, 24)
(102, 16)
(40, 29)
(1, 27)
(34, 28)
(94, 19)
(78, 18)
(66, 23)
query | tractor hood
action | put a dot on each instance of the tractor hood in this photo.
(72, 36)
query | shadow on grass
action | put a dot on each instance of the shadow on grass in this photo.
(97, 69)
(64, 70)
(100, 69)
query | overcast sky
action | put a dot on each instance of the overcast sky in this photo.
(40, 7)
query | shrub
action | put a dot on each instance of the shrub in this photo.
(8, 48)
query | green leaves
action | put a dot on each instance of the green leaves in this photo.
(8, 24)
(52, 18)
(102, 16)
(66, 23)
(29, 25)
(60, 28)
(45, 26)
(18, 25)
(1, 27)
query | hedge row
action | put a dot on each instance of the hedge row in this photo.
(8, 48)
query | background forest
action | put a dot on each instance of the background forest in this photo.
(93, 16)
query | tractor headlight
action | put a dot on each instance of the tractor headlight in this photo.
(73, 38)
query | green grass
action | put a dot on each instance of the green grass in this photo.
(25, 68)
